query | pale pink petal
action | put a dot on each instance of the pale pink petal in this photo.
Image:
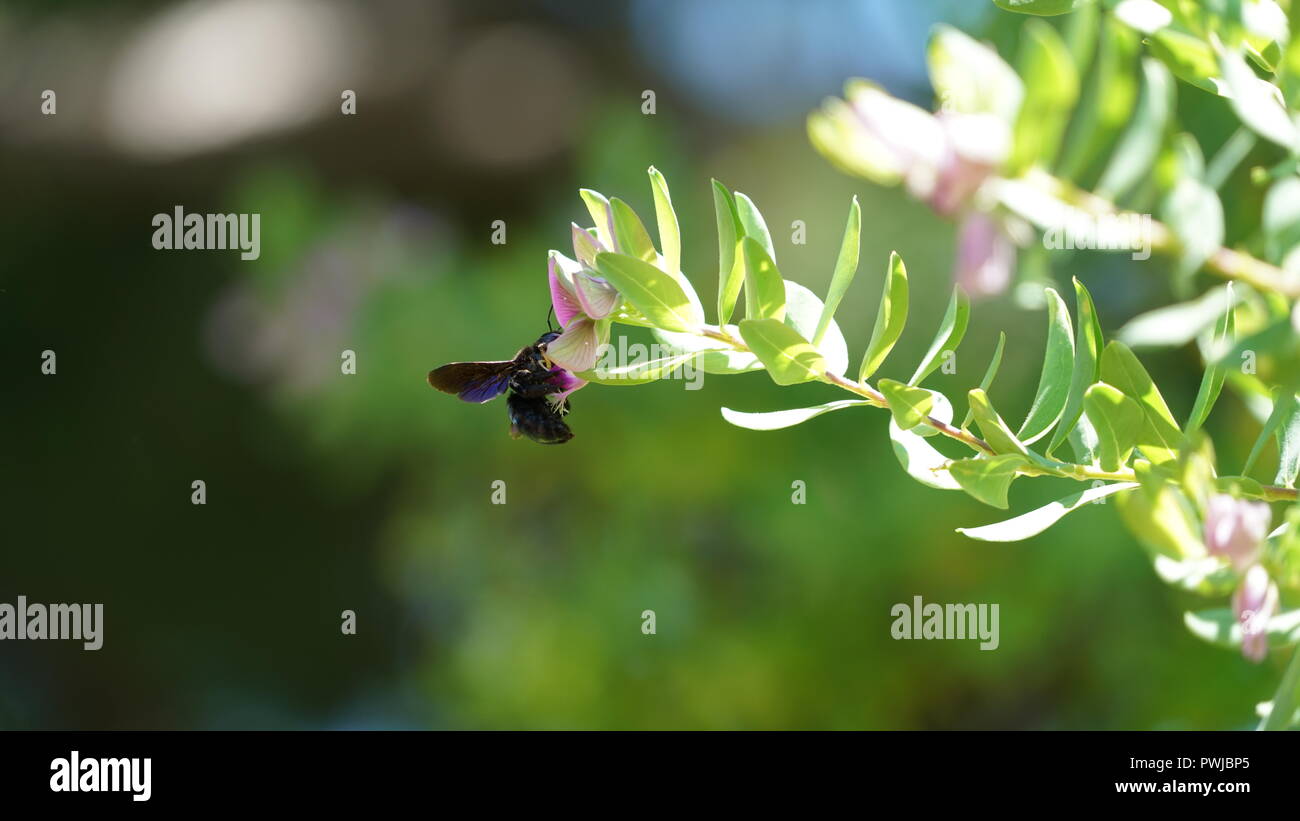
(566, 305)
(575, 349)
(596, 296)
(985, 257)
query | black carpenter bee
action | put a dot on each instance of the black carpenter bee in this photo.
(531, 380)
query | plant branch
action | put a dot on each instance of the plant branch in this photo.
(1064, 470)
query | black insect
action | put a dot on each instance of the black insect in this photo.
(531, 380)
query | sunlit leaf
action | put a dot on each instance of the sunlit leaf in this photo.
(1117, 419)
(670, 238)
(990, 374)
(776, 420)
(1173, 326)
(1041, 7)
(1135, 155)
(1221, 627)
(907, 404)
(846, 267)
(1212, 379)
(992, 428)
(803, 310)
(601, 216)
(920, 459)
(632, 237)
(1160, 437)
(1054, 380)
(1258, 103)
(1050, 94)
(764, 288)
(1284, 409)
(891, 316)
(653, 293)
(1088, 343)
(951, 331)
(751, 219)
(731, 269)
(1036, 521)
(788, 357)
(987, 479)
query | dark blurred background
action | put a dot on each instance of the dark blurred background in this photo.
(371, 492)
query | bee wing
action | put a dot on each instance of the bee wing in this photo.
(473, 381)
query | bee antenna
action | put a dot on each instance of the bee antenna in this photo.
(548, 318)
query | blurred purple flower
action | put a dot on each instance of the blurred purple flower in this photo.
(986, 256)
(1254, 604)
(1235, 529)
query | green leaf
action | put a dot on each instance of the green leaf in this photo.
(846, 267)
(1288, 446)
(989, 374)
(1221, 627)
(670, 237)
(950, 334)
(803, 310)
(1194, 213)
(788, 357)
(752, 221)
(731, 270)
(1054, 380)
(920, 459)
(1160, 437)
(1190, 59)
(1088, 343)
(655, 294)
(1164, 520)
(1281, 217)
(987, 479)
(970, 78)
(638, 373)
(908, 405)
(1258, 103)
(764, 288)
(1034, 522)
(1176, 325)
(601, 216)
(1109, 96)
(1045, 8)
(891, 316)
(1284, 408)
(1136, 153)
(992, 429)
(1212, 381)
(776, 420)
(633, 239)
(1050, 94)
(1117, 419)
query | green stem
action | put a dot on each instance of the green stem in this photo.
(1284, 700)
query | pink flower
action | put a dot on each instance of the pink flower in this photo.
(1254, 603)
(581, 300)
(1235, 529)
(986, 256)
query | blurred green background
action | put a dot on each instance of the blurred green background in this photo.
(372, 492)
